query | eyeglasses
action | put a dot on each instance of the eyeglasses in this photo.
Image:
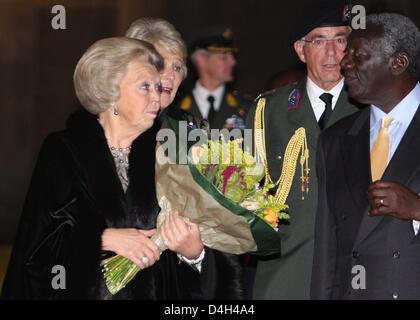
(320, 43)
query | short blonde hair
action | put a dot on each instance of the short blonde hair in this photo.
(160, 32)
(100, 70)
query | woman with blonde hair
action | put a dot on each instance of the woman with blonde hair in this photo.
(169, 43)
(225, 281)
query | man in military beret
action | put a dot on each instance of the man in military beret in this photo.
(318, 101)
(212, 54)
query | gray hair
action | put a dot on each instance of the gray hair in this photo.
(100, 70)
(198, 52)
(400, 35)
(160, 32)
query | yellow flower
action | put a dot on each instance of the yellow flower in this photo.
(271, 216)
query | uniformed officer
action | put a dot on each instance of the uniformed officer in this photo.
(318, 101)
(212, 54)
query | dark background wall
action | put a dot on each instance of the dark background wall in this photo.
(37, 63)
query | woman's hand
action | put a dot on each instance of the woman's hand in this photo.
(133, 244)
(182, 236)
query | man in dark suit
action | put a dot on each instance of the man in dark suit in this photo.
(367, 244)
(212, 54)
(318, 101)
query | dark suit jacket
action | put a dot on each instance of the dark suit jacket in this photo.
(345, 235)
(288, 276)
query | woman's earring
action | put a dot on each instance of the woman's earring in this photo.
(115, 110)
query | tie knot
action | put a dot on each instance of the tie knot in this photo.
(326, 97)
(210, 99)
(386, 121)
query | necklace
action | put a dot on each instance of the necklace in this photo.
(121, 155)
(120, 149)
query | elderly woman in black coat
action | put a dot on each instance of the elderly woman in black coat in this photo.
(93, 191)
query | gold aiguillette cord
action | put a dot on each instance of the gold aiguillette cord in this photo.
(297, 144)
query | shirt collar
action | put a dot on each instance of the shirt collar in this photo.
(203, 93)
(403, 112)
(314, 92)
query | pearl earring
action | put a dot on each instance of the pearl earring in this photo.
(115, 110)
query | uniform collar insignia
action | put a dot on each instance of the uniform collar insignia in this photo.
(232, 102)
(186, 103)
(294, 98)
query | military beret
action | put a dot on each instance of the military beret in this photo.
(325, 13)
(213, 39)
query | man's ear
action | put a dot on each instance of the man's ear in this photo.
(299, 50)
(399, 63)
(200, 60)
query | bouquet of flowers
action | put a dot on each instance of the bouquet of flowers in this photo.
(240, 180)
(216, 185)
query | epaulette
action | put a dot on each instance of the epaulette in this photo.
(244, 96)
(266, 93)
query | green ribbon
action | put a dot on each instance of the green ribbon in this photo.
(267, 239)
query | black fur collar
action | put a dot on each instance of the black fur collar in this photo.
(138, 207)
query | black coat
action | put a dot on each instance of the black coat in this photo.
(75, 193)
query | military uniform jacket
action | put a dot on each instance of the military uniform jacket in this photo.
(231, 114)
(287, 109)
(346, 237)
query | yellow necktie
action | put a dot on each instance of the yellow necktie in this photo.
(380, 150)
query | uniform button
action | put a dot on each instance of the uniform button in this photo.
(355, 254)
(395, 295)
(279, 157)
(396, 255)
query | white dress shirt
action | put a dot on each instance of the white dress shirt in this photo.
(314, 92)
(201, 94)
(402, 114)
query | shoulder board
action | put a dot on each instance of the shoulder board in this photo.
(243, 96)
(266, 93)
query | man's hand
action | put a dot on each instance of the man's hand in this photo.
(392, 198)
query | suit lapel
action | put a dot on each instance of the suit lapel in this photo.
(356, 160)
(406, 161)
(342, 108)
(403, 166)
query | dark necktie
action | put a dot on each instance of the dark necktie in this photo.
(212, 111)
(327, 98)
